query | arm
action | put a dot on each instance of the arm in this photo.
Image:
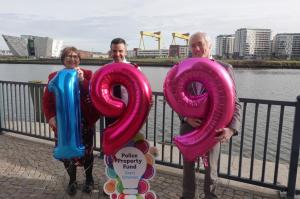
(84, 81)
(49, 107)
(90, 113)
(194, 89)
(235, 123)
(225, 134)
(124, 93)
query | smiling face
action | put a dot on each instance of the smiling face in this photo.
(71, 60)
(70, 57)
(118, 52)
(200, 46)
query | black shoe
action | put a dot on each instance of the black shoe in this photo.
(88, 186)
(72, 188)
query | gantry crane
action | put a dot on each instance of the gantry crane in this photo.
(156, 35)
(184, 36)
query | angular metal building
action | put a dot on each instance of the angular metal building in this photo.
(17, 45)
(35, 46)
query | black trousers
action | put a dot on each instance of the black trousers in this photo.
(87, 160)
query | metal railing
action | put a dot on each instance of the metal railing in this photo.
(265, 153)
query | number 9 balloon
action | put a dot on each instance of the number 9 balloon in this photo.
(131, 117)
(67, 99)
(215, 107)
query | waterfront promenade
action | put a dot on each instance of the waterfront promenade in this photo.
(28, 170)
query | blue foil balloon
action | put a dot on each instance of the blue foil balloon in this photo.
(65, 86)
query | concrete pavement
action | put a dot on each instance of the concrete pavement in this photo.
(28, 170)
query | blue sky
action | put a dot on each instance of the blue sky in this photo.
(91, 24)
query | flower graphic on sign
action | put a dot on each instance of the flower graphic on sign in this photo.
(129, 171)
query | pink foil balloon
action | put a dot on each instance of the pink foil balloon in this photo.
(131, 117)
(215, 107)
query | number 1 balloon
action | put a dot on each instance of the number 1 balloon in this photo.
(65, 86)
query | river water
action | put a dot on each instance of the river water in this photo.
(275, 84)
(270, 84)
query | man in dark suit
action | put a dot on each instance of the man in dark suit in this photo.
(200, 46)
(118, 52)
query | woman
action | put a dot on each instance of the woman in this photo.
(70, 58)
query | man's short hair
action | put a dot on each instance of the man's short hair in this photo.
(117, 41)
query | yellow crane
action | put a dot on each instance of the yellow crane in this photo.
(156, 35)
(184, 36)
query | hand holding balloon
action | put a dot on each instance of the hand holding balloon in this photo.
(215, 107)
(224, 134)
(66, 89)
(52, 123)
(194, 122)
(80, 74)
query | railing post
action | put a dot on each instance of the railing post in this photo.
(101, 137)
(0, 120)
(291, 189)
(1, 116)
(36, 92)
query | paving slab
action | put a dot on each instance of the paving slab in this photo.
(28, 170)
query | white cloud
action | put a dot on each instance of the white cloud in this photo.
(91, 24)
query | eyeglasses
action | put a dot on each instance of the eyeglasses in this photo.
(72, 57)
